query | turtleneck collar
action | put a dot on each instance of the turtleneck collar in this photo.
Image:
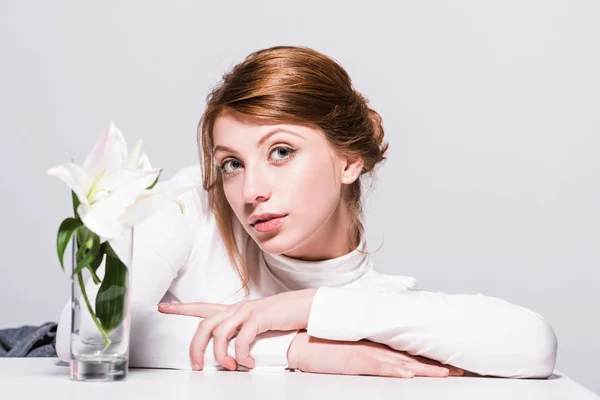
(298, 274)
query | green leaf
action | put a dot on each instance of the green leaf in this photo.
(155, 181)
(110, 252)
(96, 263)
(111, 298)
(65, 232)
(87, 252)
(86, 299)
(75, 204)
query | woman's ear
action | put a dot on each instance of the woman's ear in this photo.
(352, 169)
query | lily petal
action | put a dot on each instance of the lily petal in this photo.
(115, 151)
(104, 217)
(93, 163)
(133, 159)
(146, 206)
(76, 179)
(144, 163)
(151, 201)
(126, 183)
(108, 153)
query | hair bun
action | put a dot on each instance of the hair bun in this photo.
(378, 132)
(377, 124)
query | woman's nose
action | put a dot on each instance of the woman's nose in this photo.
(256, 186)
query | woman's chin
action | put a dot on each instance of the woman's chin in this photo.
(275, 244)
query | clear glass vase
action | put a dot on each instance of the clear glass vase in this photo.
(100, 314)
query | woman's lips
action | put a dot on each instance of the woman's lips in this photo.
(270, 225)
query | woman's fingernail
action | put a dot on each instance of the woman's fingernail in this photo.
(164, 305)
(405, 374)
(195, 366)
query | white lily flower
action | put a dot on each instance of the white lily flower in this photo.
(152, 200)
(111, 182)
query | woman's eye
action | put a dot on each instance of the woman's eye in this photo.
(281, 153)
(277, 155)
(230, 166)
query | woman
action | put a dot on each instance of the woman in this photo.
(271, 248)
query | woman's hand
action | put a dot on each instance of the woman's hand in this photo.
(311, 354)
(286, 311)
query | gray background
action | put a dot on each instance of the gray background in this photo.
(491, 109)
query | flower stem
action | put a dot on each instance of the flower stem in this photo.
(107, 340)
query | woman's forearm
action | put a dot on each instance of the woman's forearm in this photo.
(481, 334)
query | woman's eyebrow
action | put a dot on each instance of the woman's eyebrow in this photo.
(261, 141)
(273, 132)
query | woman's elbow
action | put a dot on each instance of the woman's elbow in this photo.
(539, 357)
(512, 342)
(524, 347)
(63, 334)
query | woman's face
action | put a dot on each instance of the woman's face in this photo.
(285, 174)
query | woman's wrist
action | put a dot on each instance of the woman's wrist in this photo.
(299, 341)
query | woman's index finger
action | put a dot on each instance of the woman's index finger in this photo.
(197, 309)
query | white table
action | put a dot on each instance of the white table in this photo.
(45, 378)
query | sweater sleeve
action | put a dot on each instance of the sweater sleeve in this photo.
(162, 244)
(481, 334)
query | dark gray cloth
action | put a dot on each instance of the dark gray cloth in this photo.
(29, 341)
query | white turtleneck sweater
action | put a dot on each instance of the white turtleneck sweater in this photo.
(182, 258)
